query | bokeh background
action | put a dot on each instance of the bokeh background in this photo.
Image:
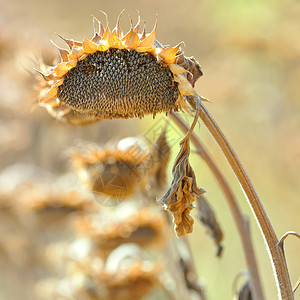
(250, 55)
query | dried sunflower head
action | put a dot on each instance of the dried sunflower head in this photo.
(116, 75)
(114, 172)
(145, 227)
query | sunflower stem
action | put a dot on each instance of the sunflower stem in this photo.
(276, 254)
(240, 219)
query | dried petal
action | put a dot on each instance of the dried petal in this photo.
(71, 43)
(131, 39)
(138, 27)
(51, 93)
(192, 66)
(168, 54)
(176, 69)
(89, 46)
(117, 30)
(148, 41)
(62, 52)
(185, 86)
(76, 53)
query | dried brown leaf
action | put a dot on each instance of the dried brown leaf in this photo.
(191, 279)
(157, 165)
(207, 217)
(180, 196)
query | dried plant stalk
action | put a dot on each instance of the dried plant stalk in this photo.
(277, 255)
(240, 220)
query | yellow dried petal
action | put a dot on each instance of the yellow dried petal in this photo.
(169, 54)
(106, 34)
(47, 77)
(138, 27)
(71, 64)
(185, 88)
(76, 52)
(83, 56)
(63, 54)
(52, 102)
(59, 82)
(176, 69)
(131, 39)
(71, 43)
(89, 47)
(61, 69)
(51, 93)
(101, 32)
(103, 46)
(115, 42)
(96, 39)
(145, 49)
(117, 30)
(148, 41)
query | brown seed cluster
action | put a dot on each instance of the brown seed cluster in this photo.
(119, 83)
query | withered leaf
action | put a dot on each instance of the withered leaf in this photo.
(158, 163)
(191, 279)
(207, 217)
(180, 196)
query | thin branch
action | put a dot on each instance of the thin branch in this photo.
(277, 256)
(240, 220)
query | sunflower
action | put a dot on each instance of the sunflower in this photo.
(116, 75)
(111, 171)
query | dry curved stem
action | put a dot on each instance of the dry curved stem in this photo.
(240, 219)
(277, 256)
(281, 245)
(281, 242)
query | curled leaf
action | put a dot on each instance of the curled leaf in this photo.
(208, 218)
(180, 196)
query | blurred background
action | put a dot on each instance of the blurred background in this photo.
(250, 55)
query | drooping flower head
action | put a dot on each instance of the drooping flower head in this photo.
(116, 75)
